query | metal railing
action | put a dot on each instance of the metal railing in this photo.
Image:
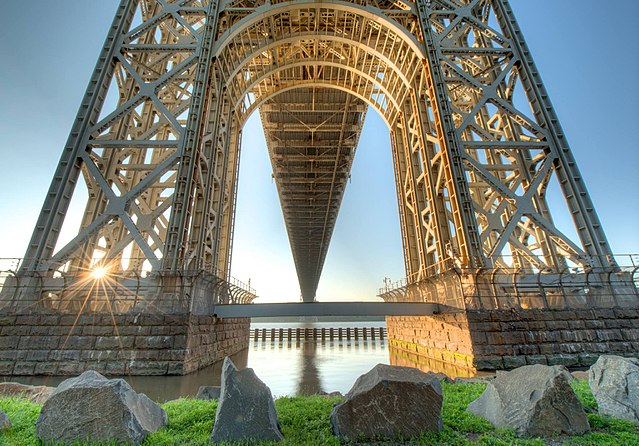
(518, 288)
(107, 287)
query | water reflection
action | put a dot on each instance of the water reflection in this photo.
(158, 388)
(168, 388)
(309, 368)
(309, 382)
(408, 359)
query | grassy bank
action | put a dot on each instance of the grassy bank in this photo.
(305, 421)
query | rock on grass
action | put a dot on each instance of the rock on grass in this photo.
(5, 423)
(614, 382)
(245, 411)
(534, 400)
(389, 401)
(94, 408)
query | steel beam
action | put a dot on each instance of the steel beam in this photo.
(328, 309)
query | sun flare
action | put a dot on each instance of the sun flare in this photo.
(99, 272)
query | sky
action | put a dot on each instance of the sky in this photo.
(586, 54)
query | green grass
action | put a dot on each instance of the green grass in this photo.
(23, 416)
(305, 421)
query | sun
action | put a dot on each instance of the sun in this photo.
(99, 272)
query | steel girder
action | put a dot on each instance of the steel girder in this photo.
(311, 154)
(157, 139)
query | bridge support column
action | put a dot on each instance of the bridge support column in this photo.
(464, 342)
(51, 343)
(496, 319)
(165, 325)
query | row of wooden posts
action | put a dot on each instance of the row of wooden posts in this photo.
(317, 334)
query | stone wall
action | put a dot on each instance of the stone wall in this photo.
(62, 344)
(505, 339)
(206, 346)
(439, 343)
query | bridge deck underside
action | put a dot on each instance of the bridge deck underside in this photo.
(312, 134)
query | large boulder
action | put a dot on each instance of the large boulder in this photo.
(389, 401)
(208, 393)
(245, 411)
(35, 394)
(92, 407)
(5, 423)
(614, 382)
(534, 400)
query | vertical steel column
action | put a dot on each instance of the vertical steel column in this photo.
(49, 224)
(467, 234)
(582, 209)
(177, 234)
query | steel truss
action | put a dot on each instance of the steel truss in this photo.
(476, 143)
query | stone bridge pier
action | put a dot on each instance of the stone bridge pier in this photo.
(159, 325)
(494, 320)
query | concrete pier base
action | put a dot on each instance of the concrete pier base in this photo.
(50, 343)
(464, 342)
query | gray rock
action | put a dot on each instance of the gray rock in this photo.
(443, 377)
(614, 382)
(389, 401)
(534, 400)
(245, 411)
(475, 379)
(333, 394)
(208, 393)
(5, 423)
(35, 394)
(92, 407)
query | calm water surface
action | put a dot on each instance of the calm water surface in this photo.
(307, 368)
(287, 368)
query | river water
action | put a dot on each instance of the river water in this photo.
(288, 368)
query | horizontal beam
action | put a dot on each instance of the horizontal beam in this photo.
(328, 309)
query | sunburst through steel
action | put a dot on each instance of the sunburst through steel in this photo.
(475, 140)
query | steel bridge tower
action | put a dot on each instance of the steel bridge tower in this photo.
(475, 139)
(476, 144)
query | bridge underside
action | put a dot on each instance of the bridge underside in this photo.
(312, 134)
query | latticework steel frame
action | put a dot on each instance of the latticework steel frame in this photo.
(157, 138)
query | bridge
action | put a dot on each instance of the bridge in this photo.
(454, 82)
(355, 309)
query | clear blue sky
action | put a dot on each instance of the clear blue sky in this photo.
(586, 53)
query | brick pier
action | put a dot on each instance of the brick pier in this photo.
(464, 342)
(46, 343)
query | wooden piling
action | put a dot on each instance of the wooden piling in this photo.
(314, 334)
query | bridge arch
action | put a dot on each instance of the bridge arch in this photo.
(299, 45)
(382, 55)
